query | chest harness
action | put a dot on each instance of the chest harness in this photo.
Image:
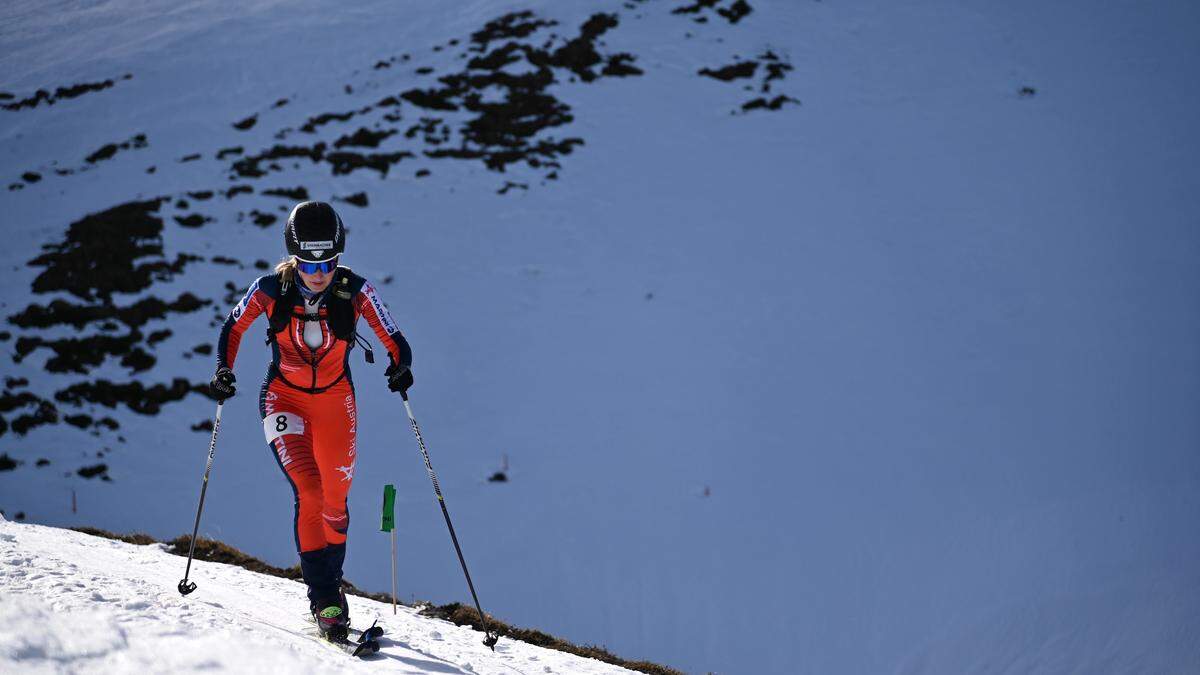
(339, 315)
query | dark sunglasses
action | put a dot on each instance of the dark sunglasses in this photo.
(313, 267)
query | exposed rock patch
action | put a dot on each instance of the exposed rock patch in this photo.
(358, 199)
(59, 94)
(109, 150)
(246, 124)
(733, 12)
(769, 67)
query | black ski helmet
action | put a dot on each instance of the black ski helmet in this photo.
(314, 232)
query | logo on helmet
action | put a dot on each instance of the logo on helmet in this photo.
(316, 245)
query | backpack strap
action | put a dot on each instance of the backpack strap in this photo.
(281, 312)
(339, 303)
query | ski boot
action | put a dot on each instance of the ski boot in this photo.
(333, 619)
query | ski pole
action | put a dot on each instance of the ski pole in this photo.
(186, 586)
(489, 639)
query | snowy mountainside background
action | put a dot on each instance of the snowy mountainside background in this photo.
(898, 376)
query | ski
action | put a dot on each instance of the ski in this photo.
(359, 643)
(357, 649)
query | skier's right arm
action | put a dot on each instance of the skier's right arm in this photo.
(254, 302)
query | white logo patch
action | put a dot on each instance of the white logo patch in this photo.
(381, 309)
(245, 302)
(315, 245)
(278, 424)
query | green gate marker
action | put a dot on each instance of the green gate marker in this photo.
(389, 509)
(388, 524)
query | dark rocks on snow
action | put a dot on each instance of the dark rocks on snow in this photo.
(116, 250)
(61, 312)
(695, 7)
(238, 190)
(773, 69)
(733, 13)
(346, 162)
(60, 93)
(514, 25)
(246, 124)
(732, 72)
(80, 355)
(133, 395)
(44, 413)
(262, 219)
(249, 167)
(311, 125)
(504, 113)
(364, 138)
(228, 152)
(357, 199)
(98, 470)
(109, 150)
(297, 193)
(192, 220)
(736, 11)
(772, 104)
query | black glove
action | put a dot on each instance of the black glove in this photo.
(222, 384)
(399, 378)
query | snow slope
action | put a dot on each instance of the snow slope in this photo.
(904, 378)
(87, 604)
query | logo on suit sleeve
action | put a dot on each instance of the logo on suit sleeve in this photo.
(245, 302)
(381, 310)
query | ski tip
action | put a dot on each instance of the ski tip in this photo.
(366, 648)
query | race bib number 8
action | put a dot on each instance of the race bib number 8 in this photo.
(282, 423)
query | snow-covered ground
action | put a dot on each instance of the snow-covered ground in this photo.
(902, 378)
(74, 603)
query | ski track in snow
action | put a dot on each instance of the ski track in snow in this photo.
(97, 605)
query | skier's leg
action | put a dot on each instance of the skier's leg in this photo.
(334, 448)
(334, 430)
(287, 423)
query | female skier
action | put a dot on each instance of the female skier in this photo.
(307, 399)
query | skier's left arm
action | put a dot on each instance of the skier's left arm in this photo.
(370, 306)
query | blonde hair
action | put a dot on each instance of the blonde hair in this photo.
(286, 269)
